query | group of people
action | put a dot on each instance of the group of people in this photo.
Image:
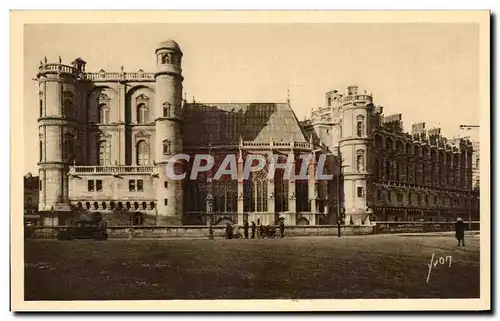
(233, 231)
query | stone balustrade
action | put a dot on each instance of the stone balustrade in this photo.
(116, 169)
(97, 76)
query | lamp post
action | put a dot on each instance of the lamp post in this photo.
(338, 188)
(52, 221)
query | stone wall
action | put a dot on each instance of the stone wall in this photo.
(306, 230)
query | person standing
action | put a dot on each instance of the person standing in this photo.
(245, 229)
(459, 231)
(282, 228)
(253, 229)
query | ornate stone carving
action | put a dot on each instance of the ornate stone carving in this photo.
(103, 97)
(142, 97)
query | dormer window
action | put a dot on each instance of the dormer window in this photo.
(329, 101)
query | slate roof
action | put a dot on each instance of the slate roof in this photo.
(225, 122)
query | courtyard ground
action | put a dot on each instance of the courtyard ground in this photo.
(376, 266)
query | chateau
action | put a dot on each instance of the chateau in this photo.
(106, 137)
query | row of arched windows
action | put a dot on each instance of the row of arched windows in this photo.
(143, 152)
(143, 113)
(118, 205)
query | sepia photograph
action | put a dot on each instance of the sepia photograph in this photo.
(272, 158)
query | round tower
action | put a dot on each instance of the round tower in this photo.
(357, 152)
(56, 132)
(168, 124)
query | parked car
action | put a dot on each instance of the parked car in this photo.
(84, 230)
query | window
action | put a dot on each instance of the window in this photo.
(90, 186)
(103, 205)
(409, 198)
(112, 205)
(329, 101)
(41, 151)
(142, 114)
(140, 185)
(40, 184)
(87, 205)
(131, 185)
(400, 197)
(378, 194)
(435, 199)
(103, 114)
(98, 185)
(426, 199)
(67, 108)
(419, 198)
(144, 205)
(360, 191)
(138, 219)
(389, 196)
(166, 147)
(68, 148)
(166, 109)
(360, 125)
(360, 160)
(165, 202)
(152, 205)
(104, 153)
(96, 205)
(142, 152)
(477, 163)
(41, 108)
(165, 184)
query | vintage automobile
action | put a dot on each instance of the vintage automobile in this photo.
(84, 230)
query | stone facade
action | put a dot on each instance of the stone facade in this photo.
(391, 175)
(106, 138)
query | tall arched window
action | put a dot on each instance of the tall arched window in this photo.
(360, 160)
(360, 125)
(142, 151)
(41, 108)
(387, 169)
(142, 114)
(103, 114)
(259, 191)
(388, 144)
(41, 151)
(225, 196)
(166, 109)
(104, 153)
(68, 148)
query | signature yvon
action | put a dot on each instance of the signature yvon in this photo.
(441, 261)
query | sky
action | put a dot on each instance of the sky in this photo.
(427, 72)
